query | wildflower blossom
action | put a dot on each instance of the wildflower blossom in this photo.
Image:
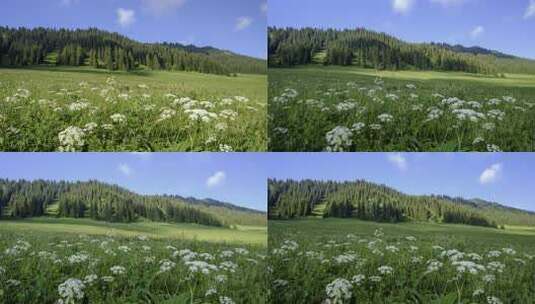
(338, 139)
(71, 290)
(71, 139)
(339, 290)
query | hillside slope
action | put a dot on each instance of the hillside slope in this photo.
(112, 51)
(100, 201)
(369, 49)
(369, 201)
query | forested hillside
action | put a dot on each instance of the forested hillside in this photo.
(99, 201)
(364, 48)
(368, 201)
(100, 49)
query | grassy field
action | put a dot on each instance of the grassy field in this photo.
(84, 109)
(316, 108)
(352, 261)
(84, 261)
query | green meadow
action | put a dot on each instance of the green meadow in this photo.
(86, 109)
(240, 234)
(85, 261)
(352, 261)
(318, 108)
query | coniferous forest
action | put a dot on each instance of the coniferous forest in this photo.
(368, 49)
(368, 201)
(21, 47)
(99, 201)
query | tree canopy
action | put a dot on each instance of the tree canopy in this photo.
(364, 48)
(367, 201)
(99, 201)
(100, 49)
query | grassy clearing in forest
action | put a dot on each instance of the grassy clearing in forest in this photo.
(352, 261)
(84, 261)
(316, 108)
(84, 109)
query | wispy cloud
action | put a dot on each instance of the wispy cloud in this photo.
(125, 17)
(398, 160)
(216, 179)
(125, 169)
(477, 31)
(491, 174)
(243, 23)
(402, 6)
(160, 7)
(530, 11)
(264, 7)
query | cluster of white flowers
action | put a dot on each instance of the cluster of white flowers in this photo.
(71, 290)
(166, 265)
(385, 270)
(339, 139)
(200, 267)
(118, 118)
(200, 115)
(118, 270)
(166, 113)
(78, 258)
(339, 290)
(468, 267)
(71, 139)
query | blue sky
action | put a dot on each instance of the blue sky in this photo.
(507, 178)
(504, 25)
(236, 25)
(241, 178)
(238, 178)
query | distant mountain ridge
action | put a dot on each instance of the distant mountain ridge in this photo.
(369, 201)
(214, 202)
(475, 50)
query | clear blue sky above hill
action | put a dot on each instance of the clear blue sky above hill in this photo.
(238, 178)
(235, 25)
(507, 178)
(504, 25)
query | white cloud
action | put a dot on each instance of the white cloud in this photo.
(125, 17)
(243, 23)
(491, 174)
(477, 31)
(448, 2)
(398, 160)
(217, 179)
(402, 6)
(159, 7)
(125, 169)
(530, 11)
(264, 7)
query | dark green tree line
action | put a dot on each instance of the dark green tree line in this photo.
(363, 48)
(19, 199)
(101, 49)
(366, 201)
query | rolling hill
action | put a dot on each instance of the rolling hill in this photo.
(370, 49)
(368, 201)
(102, 49)
(112, 203)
